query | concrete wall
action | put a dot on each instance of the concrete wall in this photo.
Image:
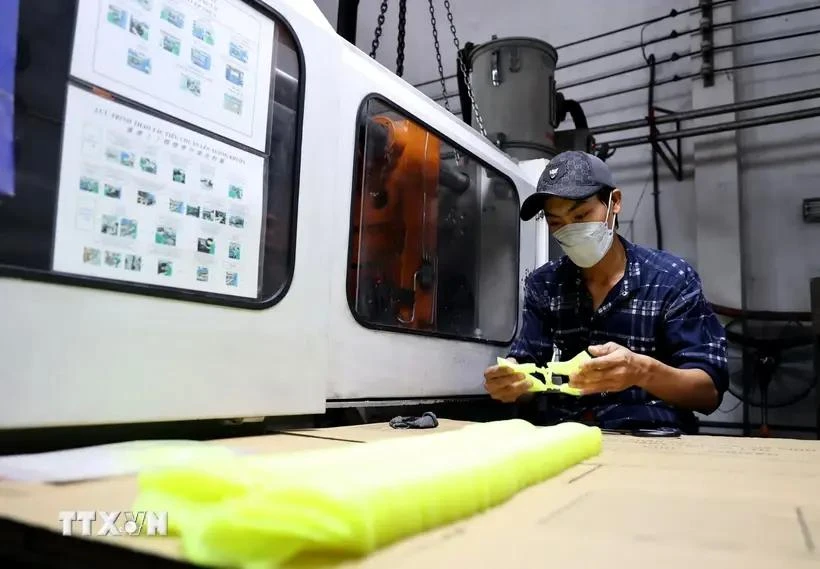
(737, 213)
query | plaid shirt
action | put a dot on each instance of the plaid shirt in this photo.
(657, 309)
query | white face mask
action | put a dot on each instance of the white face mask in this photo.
(587, 243)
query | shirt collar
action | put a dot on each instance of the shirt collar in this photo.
(631, 280)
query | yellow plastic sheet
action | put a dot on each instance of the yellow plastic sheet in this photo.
(264, 511)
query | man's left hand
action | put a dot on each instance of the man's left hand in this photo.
(613, 368)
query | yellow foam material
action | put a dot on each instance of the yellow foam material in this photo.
(264, 510)
(570, 367)
(537, 386)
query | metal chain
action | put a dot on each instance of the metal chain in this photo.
(463, 68)
(378, 33)
(446, 97)
(400, 48)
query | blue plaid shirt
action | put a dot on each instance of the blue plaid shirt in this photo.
(657, 309)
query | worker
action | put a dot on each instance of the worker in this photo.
(658, 350)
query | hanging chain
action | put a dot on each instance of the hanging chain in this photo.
(446, 97)
(463, 68)
(378, 33)
(400, 48)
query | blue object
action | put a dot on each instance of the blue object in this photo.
(658, 308)
(9, 10)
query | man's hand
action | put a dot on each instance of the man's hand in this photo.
(504, 384)
(613, 368)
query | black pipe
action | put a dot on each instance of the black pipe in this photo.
(347, 19)
(672, 35)
(463, 93)
(611, 74)
(453, 179)
(653, 137)
(697, 74)
(711, 111)
(575, 110)
(638, 88)
(671, 14)
(675, 56)
(755, 42)
(762, 17)
(720, 127)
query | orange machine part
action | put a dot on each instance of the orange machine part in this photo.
(398, 217)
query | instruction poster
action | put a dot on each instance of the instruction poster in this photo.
(207, 62)
(143, 200)
(8, 56)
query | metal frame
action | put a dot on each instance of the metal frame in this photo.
(347, 19)
(707, 43)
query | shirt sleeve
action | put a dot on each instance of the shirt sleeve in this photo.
(695, 336)
(534, 341)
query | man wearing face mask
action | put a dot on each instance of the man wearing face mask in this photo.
(658, 350)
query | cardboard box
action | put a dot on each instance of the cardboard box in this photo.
(375, 431)
(672, 503)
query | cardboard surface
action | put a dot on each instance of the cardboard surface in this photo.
(376, 431)
(279, 443)
(672, 503)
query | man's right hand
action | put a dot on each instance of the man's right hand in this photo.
(504, 384)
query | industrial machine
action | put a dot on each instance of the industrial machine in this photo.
(223, 210)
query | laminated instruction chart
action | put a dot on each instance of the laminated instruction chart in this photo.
(207, 62)
(146, 201)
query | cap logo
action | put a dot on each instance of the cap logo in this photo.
(553, 173)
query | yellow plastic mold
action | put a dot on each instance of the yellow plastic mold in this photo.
(265, 510)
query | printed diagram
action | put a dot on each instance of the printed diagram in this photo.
(207, 63)
(146, 201)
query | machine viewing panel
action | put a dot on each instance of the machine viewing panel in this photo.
(156, 149)
(207, 62)
(144, 200)
(434, 245)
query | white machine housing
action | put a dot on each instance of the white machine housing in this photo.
(79, 356)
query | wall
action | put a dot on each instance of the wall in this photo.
(776, 166)
(779, 163)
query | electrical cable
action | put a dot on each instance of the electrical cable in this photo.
(763, 17)
(643, 46)
(677, 77)
(697, 74)
(671, 14)
(673, 35)
(675, 56)
(640, 198)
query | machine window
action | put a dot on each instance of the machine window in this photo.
(434, 244)
(148, 161)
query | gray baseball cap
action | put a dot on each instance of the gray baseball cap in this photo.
(571, 175)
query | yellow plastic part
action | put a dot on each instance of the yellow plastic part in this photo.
(266, 510)
(570, 367)
(537, 386)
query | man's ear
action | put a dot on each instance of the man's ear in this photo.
(616, 201)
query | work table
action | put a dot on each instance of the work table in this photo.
(671, 502)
